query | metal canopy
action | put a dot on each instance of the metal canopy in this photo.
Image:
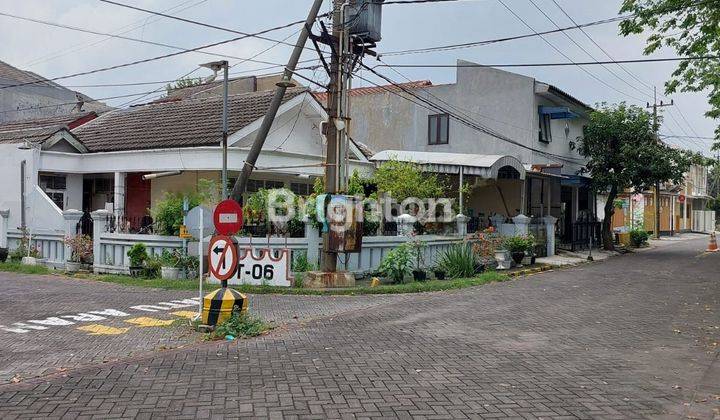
(485, 166)
(558, 112)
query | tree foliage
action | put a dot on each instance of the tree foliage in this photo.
(692, 29)
(406, 179)
(184, 82)
(623, 153)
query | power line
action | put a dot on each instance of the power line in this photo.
(694, 137)
(556, 64)
(126, 38)
(147, 60)
(140, 23)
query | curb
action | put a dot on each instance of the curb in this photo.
(529, 271)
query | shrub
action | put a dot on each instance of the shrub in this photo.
(168, 212)
(485, 243)
(137, 254)
(301, 264)
(520, 243)
(397, 263)
(170, 258)
(239, 324)
(458, 261)
(638, 237)
(81, 247)
(152, 267)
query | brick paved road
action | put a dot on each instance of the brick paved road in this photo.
(634, 336)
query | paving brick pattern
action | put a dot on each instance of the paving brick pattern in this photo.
(631, 337)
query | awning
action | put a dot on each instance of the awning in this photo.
(485, 166)
(558, 112)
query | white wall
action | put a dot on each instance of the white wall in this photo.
(74, 192)
(10, 180)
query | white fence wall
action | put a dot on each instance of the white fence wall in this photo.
(703, 221)
(111, 249)
(50, 244)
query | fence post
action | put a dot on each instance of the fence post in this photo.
(72, 218)
(99, 218)
(521, 224)
(4, 214)
(497, 220)
(462, 224)
(312, 236)
(405, 224)
(550, 233)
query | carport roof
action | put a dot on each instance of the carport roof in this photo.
(486, 166)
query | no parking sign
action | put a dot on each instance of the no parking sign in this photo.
(222, 258)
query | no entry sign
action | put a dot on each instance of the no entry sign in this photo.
(228, 217)
(222, 257)
(682, 198)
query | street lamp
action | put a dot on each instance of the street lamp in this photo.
(216, 66)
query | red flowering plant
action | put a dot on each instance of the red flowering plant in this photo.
(485, 243)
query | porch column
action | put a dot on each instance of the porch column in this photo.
(4, 215)
(521, 224)
(99, 218)
(119, 200)
(550, 233)
(312, 236)
(461, 190)
(72, 218)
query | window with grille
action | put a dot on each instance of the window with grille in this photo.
(300, 188)
(545, 130)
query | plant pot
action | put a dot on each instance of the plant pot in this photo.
(170, 273)
(518, 257)
(532, 259)
(503, 259)
(29, 261)
(136, 271)
(439, 274)
(419, 275)
(72, 267)
(3, 254)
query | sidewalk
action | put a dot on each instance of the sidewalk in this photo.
(567, 258)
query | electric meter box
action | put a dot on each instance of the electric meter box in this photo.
(364, 17)
(342, 217)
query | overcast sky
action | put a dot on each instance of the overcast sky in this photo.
(53, 52)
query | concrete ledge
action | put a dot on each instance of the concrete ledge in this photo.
(322, 280)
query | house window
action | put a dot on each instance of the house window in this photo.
(254, 185)
(545, 131)
(300, 189)
(438, 129)
(54, 187)
(274, 184)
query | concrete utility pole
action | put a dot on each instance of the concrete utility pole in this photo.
(329, 259)
(216, 66)
(655, 107)
(267, 122)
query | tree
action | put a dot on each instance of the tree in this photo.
(406, 179)
(623, 153)
(690, 27)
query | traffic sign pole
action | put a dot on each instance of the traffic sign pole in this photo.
(201, 257)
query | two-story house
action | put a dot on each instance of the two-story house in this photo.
(505, 135)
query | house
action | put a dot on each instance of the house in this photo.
(506, 135)
(37, 97)
(100, 164)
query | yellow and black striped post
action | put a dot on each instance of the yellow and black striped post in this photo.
(218, 305)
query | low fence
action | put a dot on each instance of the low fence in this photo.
(50, 245)
(110, 249)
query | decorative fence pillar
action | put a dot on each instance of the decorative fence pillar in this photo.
(99, 218)
(550, 233)
(497, 220)
(72, 218)
(405, 224)
(4, 215)
(521, 224)
(462, 221)
(312, 235)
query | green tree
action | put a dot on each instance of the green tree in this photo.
(622, 151)
(406, 179)
(692, 29)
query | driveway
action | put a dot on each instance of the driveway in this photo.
(632, 336)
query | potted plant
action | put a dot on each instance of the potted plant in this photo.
(138, 255)
(439, 272)
(81, 251)
(417, 246)
(189, 265)
(517, 246)
(487, 247)
(397, 263)
(170, 265)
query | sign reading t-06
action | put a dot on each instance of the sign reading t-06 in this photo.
(262, 269)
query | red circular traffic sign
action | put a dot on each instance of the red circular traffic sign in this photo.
(222, 257)
(228, 217)
(681, 198)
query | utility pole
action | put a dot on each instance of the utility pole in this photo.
(267, 122)
(655, 107)
(216, 66)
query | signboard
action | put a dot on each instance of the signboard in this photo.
(682, 198)
(197, 218)
(222, 258)
(344, 216)
(261, 267)
(184, 234)
(228, 217)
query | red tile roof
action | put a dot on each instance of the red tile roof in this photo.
(372, 90)
(40, 129)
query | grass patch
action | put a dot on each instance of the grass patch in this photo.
(239, 325)
(413, 287)
(16, 267)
